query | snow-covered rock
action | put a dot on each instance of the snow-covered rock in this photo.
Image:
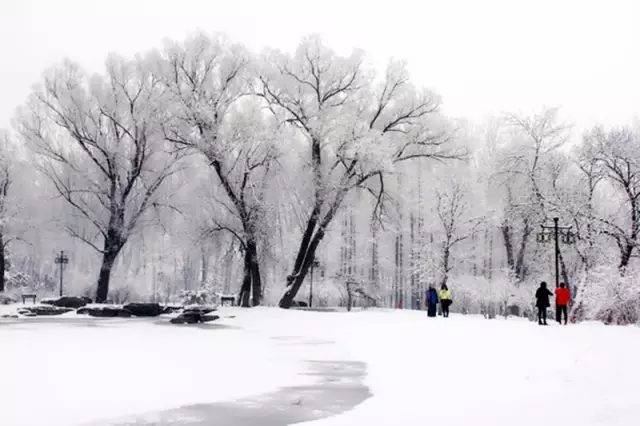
(192, 317)
(68, 302)
(104, 311)
(144, 309)
(43, 310)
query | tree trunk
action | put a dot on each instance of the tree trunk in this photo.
(446, 255)
(2, 263)
(244, 297)
(204, 271)
(307, 251)
(245, 289)
(412, 263)
(297, 279)
(254, 272)
(564, 273)
(520, 268)
(108, 260)
(626, 251)
(508, 246)
(374, 270)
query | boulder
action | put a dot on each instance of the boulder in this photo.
(144, 309)
(10, 316)
(209, 318)
(68, 302)
(104, 312)
(299, 304)
(43, 310)
(7, 300)
(193, 318)
(200, 309)
(172, 309)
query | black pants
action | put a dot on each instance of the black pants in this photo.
(445, 307)
(561, 310)
(542, 315)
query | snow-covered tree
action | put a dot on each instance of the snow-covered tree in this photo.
(100, 142)
(210, 81)
(357, 129)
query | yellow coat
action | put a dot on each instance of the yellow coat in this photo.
(445, 294)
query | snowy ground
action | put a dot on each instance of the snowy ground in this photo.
(461, 371)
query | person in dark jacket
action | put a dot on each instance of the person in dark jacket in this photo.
(432, 301)
(542, 302)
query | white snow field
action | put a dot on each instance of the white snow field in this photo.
(460, 371)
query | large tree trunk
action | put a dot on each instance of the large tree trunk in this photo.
(2, 263)
(254, 272)
(108, 260)
(245, 289)
(297, 279)
(307, 251)
(244, 297)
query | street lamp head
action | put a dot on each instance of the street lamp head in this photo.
(62, 258)
(569, 238)
(543, 237)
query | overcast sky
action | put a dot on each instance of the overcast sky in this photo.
(483, 56)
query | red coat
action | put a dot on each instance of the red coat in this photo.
(563, 296)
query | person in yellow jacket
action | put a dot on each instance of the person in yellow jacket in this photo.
(445, 299)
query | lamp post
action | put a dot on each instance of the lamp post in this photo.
(314, 264)
(61, 260)
(545, 236)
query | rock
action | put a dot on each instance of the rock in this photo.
(169, 309)
(209, 318)
(144, 309)
(68, 302)
(10, 316)
(104, 312)
(200, 309)
(299, 304)
(193, 318)
(7, 300)
(43, 310)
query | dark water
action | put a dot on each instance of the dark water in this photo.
(339, 388)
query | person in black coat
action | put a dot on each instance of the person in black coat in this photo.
(542, 302)
(432, 301)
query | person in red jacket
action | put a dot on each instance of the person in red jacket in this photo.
(563, 296)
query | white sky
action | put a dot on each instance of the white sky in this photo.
(483, 56)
